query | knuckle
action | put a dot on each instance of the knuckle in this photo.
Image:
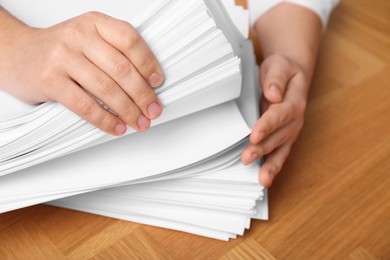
(147, 63)
(72, 30)
(122, 68)
(92, 15)
(130, 114)
(85, 106)
(48, 75)
(144, 97)
(106, 86)
(130, 109)
(105, 121)
(57, 53)
(130, 40)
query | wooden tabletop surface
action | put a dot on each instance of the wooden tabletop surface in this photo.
(331, 201)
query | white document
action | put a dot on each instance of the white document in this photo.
(232, 189)
(195, 138)
(200, 64)
(186, 165)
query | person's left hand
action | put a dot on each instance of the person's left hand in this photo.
(283, 105)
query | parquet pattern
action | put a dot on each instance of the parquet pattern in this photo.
(332, 200)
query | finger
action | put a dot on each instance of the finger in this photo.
(116, 65)
(297, 88)
(274, 118)
(273, 164)
(77, 100)
(264, 105)
(277, 139)
(96, 82)
(127, 40)
(275, 74)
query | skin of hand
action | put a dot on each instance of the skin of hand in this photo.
(77, 62)
(289, 36)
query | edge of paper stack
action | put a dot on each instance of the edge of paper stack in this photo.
(185, 172)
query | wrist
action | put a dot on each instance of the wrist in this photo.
(10, 27)
(290, 31)
(13, 32)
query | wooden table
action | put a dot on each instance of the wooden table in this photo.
(332, 200)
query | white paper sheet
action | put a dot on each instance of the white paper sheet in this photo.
(197, 74)
(218, 196)
(64, 174)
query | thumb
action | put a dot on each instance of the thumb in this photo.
(275, 73)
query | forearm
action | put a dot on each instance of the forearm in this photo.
(291, 31)
(12, 31)
(10, 28)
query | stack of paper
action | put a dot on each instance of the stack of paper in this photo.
(184, 173)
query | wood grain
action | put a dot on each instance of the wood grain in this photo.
(331, 201)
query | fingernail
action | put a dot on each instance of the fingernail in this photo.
(143, 122)
(275, 89)
(155, 80)
(154, 110)
(120, 129)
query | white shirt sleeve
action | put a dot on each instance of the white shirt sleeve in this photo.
(322, 8)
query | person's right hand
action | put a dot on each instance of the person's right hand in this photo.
(92, 55)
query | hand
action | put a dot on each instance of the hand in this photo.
(285, 88)
(89, 56)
